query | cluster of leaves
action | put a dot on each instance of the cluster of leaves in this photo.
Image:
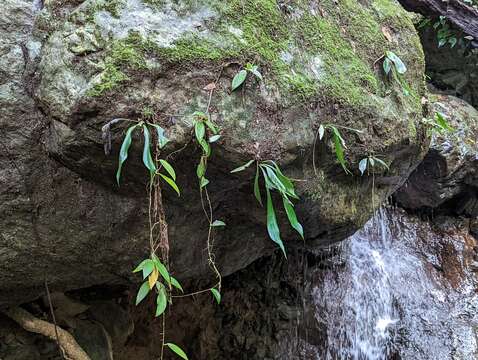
(274, 179)
(438, 124)
(394, 66)
(148, 161)
(241, 76)
(158, 279)
(445, 33)
(371, 161)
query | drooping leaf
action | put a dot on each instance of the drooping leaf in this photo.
(123, 155)
(371, 160)
(399, 65)
(205, 147)
(140, 266)
(153, 277)
(162, 270)
(272, 227)
(291, 215)
(199, 130)
(277, 184)
(203, 182)
(214, 138)
(162, 139)
(201, 169)
(442, 122)
(148, 268)
(339, 150)
(211, 126)
(239, 79)
(285, 181)
(147, 158)
(363, 165)
(216, 294)
(142, 292)
(176, 284)
(171, 183)
(218, 223)
(167, 166)
(177, 350)
(387, 65)
(243, 167)
(257, 190)
(382, 163)
(161, 301)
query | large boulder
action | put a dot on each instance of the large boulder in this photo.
(447, 179)
(75, 65)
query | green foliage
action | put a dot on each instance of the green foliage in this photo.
(446, 35)
(394, 66)
(216, 294)
(241, 76)
(177, 350)
(371, 162)
(274, 179)
(439, 124)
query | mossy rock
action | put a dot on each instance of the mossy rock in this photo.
(321, 63)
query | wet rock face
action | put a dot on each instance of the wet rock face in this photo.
(447, 179)
(74, 65)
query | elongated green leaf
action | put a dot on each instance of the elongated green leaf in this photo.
(285, 181)
(257, 190)
(272, 227)
(140, 266)
(239, 79)
(161, 301)
(147, 158)
(199, 130)
(291, 215)
(162, 139)
(142, 292)
(214, 138)
(321, 131)
(387, 65)
(442, 122)
(162, 270)
(216, 294)
(217, 223)
(211, 126)
(363, 165)
(205, 146)
(339, 150)
(148, 268)
(382, 163)
(277, 184)
(201, 169)
(177, 350)
(399, 65)
(123, 155)
(168, 168)
(176, 284)
(171, 183)
(243, 167)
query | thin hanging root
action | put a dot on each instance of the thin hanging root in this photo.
(30, 323)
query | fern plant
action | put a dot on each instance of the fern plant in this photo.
(274, 180)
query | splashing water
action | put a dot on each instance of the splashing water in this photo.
(385, 299)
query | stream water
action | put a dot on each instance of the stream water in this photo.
(400, 290)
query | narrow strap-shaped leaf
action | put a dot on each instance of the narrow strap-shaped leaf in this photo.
(211, 126)
(243, 167)
(339, 152)
(274, 179)
(167, 166)
(177, 350)
(171, 183)
(140, 266)
(239, 79)
(321, 131)
(291, 215)
(161, 301)
(142, 292)
(162, 270)
(199, 130)
(147, 158)
(216, 294)
(123, 155)
(214, 138)
(289, 185)
(257, 190)
(272, 227)
(176, 284)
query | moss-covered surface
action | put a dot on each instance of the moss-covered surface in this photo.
(305, 49)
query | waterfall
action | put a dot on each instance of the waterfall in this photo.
(387, 297)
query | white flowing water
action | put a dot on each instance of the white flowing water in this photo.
(385, 299)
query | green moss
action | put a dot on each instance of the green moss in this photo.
(110, 78)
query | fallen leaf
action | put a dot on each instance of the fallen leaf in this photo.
(210, 87)
(387, 33)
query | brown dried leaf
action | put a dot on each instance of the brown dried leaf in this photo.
(210, 87)
(387, 33)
